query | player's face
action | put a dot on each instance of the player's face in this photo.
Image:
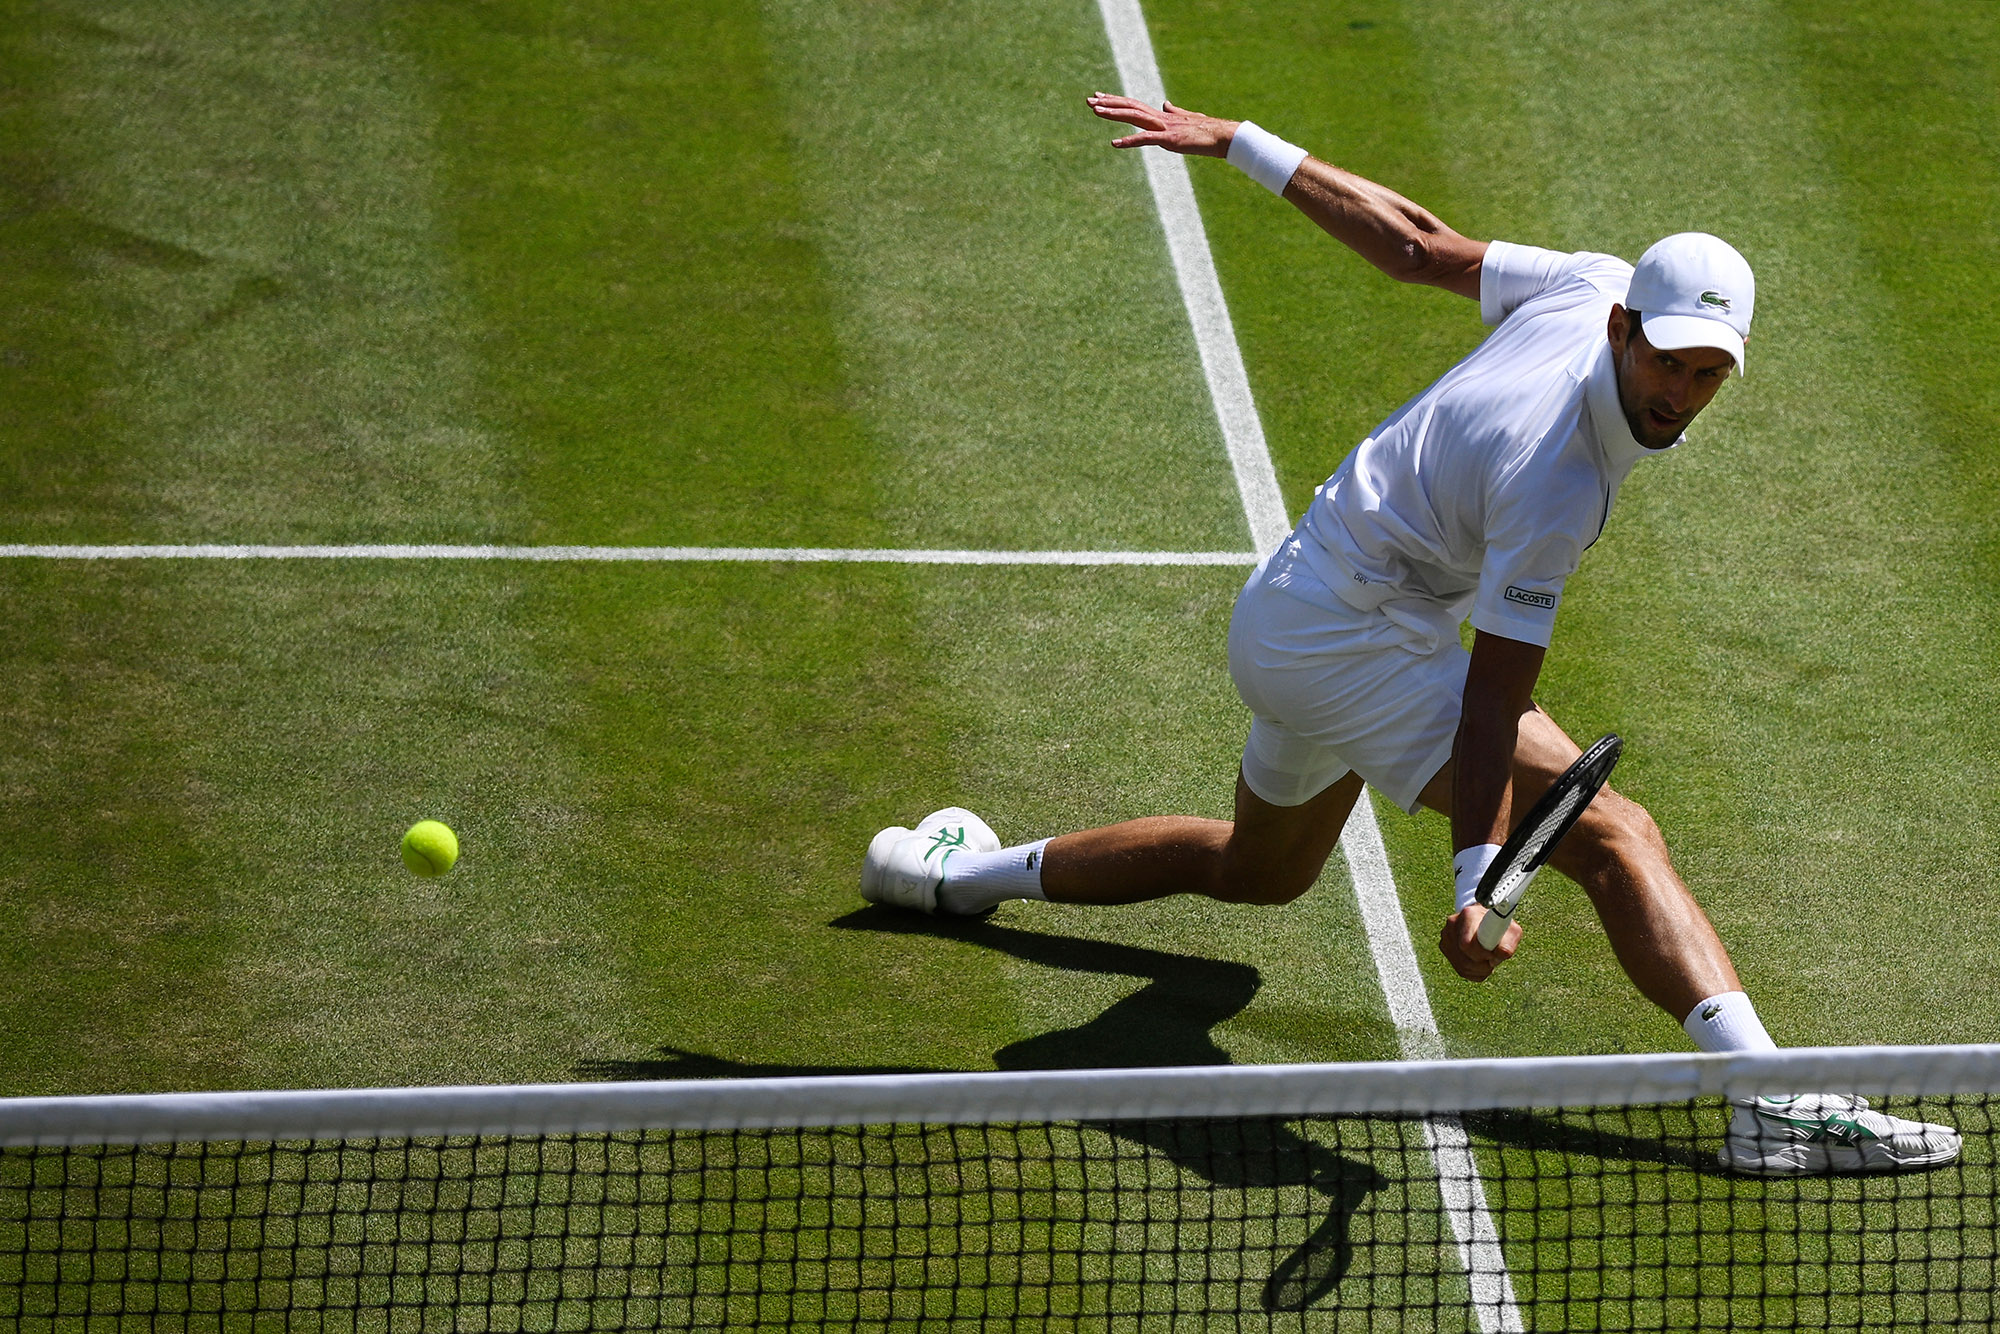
(1662, 391)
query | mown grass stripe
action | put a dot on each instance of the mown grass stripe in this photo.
(1264, 508)
(210, 551)
(1201, 289)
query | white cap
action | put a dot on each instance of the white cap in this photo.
(1694, 290)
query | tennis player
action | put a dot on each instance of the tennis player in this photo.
(1473, 501)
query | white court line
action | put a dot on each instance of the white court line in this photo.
(1368, 861)
(863, 555)
(1201, 290)
(1459, 1184)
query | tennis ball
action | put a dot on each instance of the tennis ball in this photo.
(429, 848)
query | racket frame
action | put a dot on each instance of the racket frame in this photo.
(1527, 849)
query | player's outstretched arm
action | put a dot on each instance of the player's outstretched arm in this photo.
(1402, 239)
(1499, 691)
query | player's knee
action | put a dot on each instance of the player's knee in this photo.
(1616, 833)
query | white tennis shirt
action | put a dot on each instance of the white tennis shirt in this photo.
(1482, 492)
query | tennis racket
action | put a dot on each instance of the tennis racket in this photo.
(1506, 880)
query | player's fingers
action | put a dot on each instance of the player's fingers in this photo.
(1460, 964)
(1140, 119)
(1105, 104)
(1472, 970)
(1463, 927)
(1462, 950)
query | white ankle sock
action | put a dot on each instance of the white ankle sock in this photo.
(975, 881)
(1727, 1022)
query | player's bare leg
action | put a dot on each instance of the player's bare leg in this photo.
(1670, 950)
(1267, 854)
(952, 863)
(1661, 936)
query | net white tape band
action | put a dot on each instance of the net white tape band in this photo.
(1393, 1087)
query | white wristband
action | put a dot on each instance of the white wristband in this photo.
(1264, 157)
(1468, 866)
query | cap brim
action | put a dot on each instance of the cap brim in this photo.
(1671, 333)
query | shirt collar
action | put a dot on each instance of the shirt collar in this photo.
(1601, 391)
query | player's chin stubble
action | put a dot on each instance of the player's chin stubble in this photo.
(1653, 436)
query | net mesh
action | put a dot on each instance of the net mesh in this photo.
(1604, 1217)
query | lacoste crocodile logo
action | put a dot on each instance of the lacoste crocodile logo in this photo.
(1716, 299)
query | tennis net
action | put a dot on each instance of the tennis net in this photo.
(1570, 1193)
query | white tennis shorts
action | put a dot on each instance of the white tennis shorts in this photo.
(1335, 689)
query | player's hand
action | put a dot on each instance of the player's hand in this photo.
(1167, 126)
(1459, 942)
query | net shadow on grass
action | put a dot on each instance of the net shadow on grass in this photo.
(1167, 1022)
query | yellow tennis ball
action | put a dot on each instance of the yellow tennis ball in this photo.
(429, 848)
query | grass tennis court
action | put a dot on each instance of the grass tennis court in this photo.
(866, 276)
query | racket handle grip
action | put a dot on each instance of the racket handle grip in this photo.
(1493, 926)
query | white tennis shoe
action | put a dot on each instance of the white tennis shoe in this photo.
(1829, 1132)
(904, 867)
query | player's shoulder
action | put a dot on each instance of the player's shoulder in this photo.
(1513, 276)
(1514, 260)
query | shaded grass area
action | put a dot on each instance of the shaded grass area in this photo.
(235, 327)
(115, 931)
(58, 330)
(661, 779)
(203, 833)
(657, 331)
(218, 764)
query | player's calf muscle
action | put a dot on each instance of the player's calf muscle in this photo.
(1135, 860)
(1247, 880)
(1172, 854)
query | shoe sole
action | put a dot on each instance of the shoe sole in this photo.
(1818, 1160)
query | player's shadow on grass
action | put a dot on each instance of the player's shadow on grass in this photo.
(1167, 1022)
(1575, 1136)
